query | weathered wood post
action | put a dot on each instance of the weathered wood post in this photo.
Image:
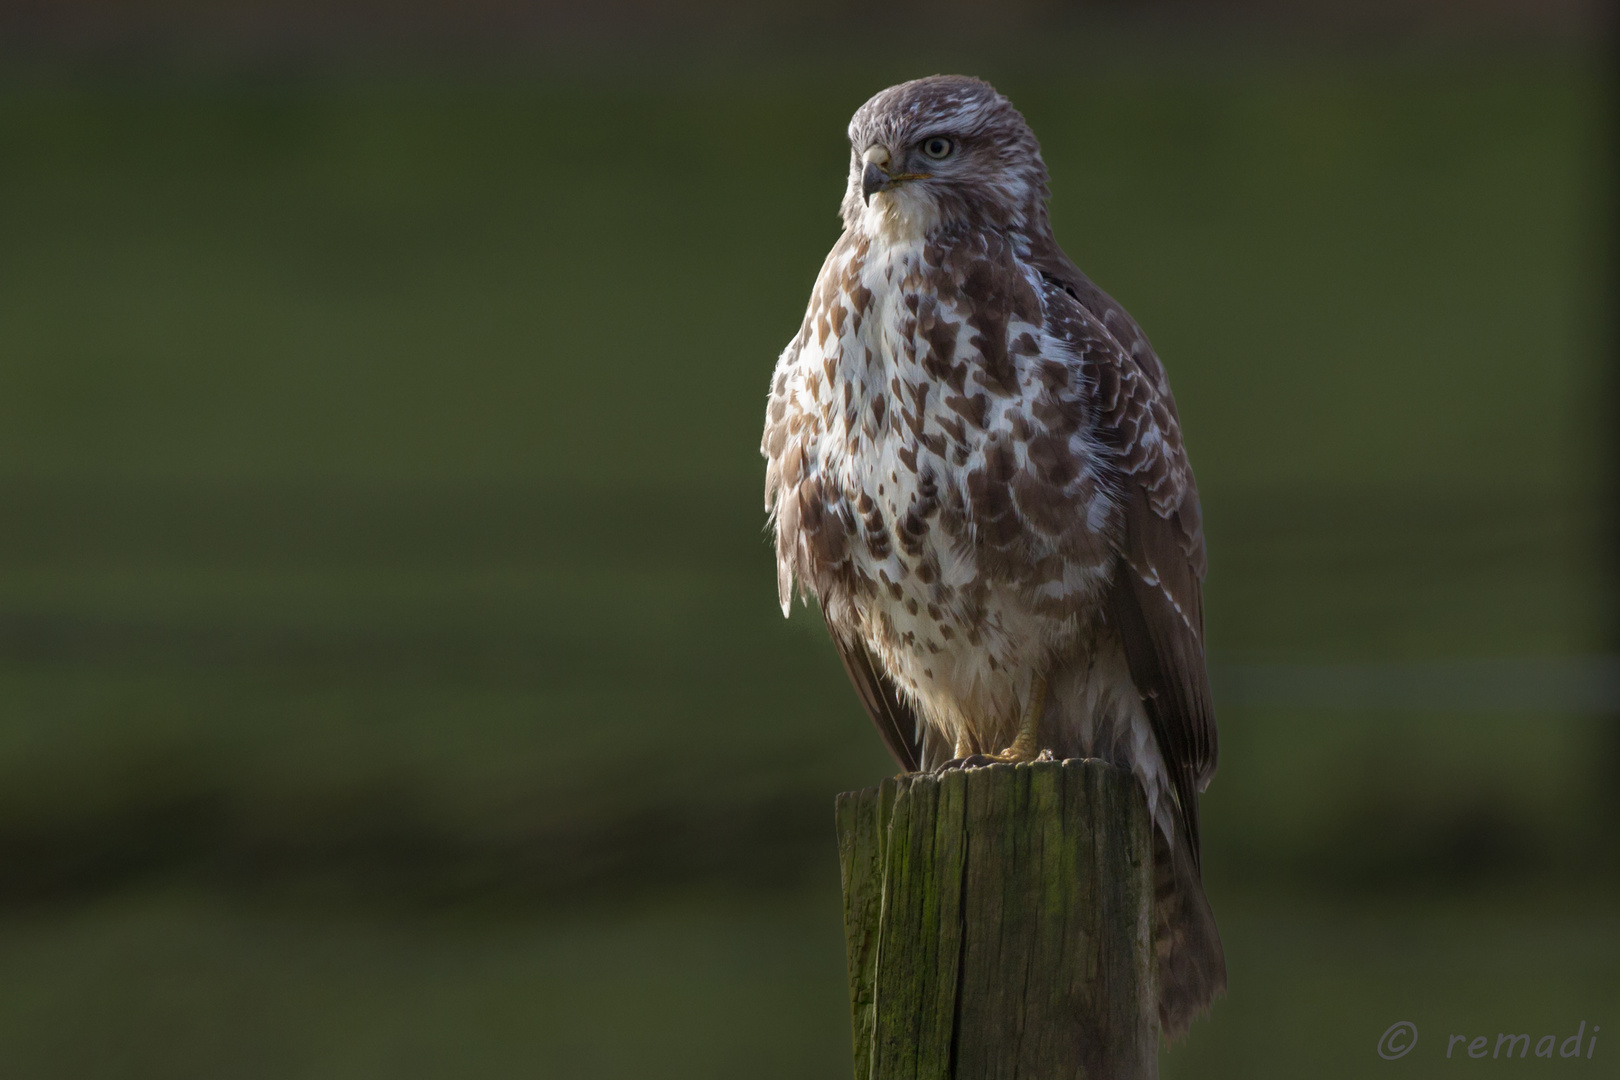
(999, 924)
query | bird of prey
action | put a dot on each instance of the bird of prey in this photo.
(975, 464)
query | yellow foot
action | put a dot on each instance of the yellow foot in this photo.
(1023, 745)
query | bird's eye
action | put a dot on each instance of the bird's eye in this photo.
(939, 147)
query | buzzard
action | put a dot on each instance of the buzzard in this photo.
(975, 464)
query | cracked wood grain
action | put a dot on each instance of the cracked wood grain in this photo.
(998, 924)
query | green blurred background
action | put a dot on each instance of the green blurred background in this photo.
(391, 680)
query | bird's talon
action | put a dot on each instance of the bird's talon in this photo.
(970, 761)
(1014, 755)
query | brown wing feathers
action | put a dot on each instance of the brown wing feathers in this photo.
(1155, 607)
(895, 721)
(1157, 602)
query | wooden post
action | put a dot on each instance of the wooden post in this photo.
(999, 924)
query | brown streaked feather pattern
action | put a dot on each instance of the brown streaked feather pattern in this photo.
(974, 462)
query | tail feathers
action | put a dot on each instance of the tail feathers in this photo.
(1187, 946)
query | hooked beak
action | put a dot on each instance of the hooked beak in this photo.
(873, 180)
(875, 175)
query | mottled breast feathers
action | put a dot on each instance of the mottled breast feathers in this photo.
(1036, 440)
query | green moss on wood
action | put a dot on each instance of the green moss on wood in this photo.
(999, 924)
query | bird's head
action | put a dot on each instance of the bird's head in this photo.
(938, 152)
